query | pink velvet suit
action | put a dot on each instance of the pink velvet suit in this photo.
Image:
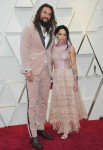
(33, 55)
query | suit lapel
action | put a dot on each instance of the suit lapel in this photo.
(43, 38)
(50, 40)
(41, 35)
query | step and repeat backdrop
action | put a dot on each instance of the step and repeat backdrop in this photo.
(84, 19)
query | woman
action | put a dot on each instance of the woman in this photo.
(67, 107)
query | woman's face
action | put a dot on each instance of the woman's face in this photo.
(61, 36)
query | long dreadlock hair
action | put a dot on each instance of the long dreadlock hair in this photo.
(52, 23)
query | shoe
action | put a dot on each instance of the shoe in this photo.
(44, 134)
(35, 143)
(64, 136)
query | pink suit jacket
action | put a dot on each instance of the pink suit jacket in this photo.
(33, 52)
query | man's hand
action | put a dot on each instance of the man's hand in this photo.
(29, 76)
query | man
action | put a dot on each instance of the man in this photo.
(36, 46)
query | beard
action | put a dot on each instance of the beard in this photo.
(45, 24)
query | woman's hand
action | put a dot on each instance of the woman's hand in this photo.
(29, 76)
(75, 86)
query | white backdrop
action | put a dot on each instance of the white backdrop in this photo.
(84, 18)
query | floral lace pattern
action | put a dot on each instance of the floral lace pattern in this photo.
(67, 107)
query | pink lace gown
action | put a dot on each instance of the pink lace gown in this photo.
(67, 107)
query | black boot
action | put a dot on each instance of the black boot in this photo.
(44, 134)
(35, 143)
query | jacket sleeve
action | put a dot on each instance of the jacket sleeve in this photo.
(25, 44)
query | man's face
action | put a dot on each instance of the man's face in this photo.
(45, 14)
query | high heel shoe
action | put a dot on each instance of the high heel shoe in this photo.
(64, 136)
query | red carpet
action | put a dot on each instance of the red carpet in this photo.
(90, 137)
